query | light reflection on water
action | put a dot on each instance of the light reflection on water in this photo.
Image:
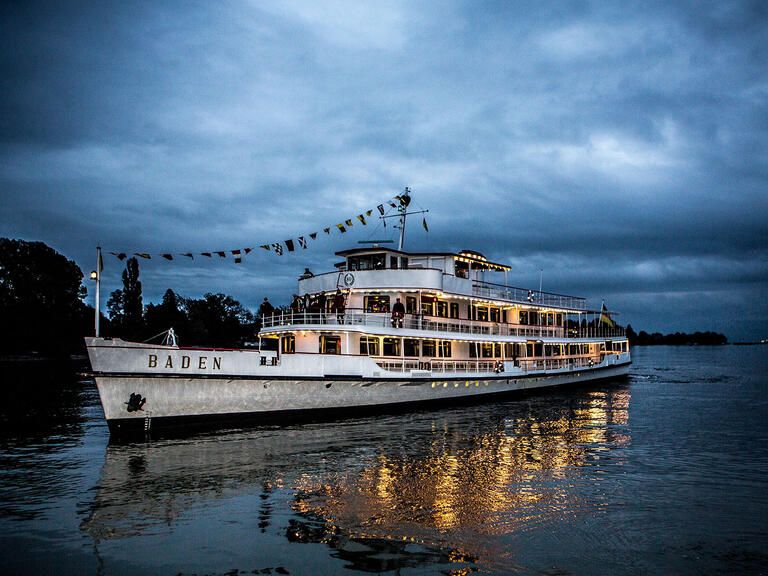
(445, 481)
(665, 472)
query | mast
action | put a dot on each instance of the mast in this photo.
(403, 209)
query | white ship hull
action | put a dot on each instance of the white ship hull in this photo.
(180, 386)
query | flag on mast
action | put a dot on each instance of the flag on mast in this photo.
(606, 317)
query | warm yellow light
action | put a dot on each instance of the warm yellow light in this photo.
(94, 275)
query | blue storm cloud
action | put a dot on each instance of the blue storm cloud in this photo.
(621, 147)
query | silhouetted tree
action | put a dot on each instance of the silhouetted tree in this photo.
(40, 299)
(126, 311)
(170, 313)
(218, 320)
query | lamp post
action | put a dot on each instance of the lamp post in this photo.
(96, 275)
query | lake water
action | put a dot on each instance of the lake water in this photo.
(665, 472)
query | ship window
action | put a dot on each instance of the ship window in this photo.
(462, 269)
(330, 344)
(369, 346)
(524, 317)
(442, 309)
(410, 347)
(367, 262)
(404, 262)
(533, 318)
(445, 349)
(410, 304)
(559, 320)
(428, 305)
(376, 303)
(495, 315)
(288, 344)
(428, 348)
(393, 262)
(490, 350)
(391, 347)
(454, 309)
(481, 313)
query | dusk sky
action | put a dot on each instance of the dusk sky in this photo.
(622, 147)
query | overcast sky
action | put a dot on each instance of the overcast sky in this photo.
(622, 147)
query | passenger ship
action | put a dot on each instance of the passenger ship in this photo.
(465, 335)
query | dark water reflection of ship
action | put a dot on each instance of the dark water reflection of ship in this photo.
(384, 492)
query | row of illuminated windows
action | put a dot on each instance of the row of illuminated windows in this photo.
(432, 306)
(375, 346)
(411, 347)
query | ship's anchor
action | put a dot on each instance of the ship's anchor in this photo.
(135, 402)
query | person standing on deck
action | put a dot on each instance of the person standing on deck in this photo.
(398, 313)
(339, 305)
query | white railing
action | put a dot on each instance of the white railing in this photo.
(486, 366)
(417, 322)
(435, 324)
(525, 296)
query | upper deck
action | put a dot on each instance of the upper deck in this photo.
(463, 275)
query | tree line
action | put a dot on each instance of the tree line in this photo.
(41, 304)
(643, 338)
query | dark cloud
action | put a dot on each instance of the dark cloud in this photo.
(621, 148)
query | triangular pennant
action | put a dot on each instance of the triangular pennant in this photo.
(208, 254)
(278, 248)
(222, 253)
(303, 242)
(313, 235)
(189, 255)
(143, 255)
(120, 255)
(235, 252)
(328, 230)
(380, 207)
(424, 223)
(341, 228)
(289, 245)
(361, 218)
(348, 223)
(392, 204)
(167, 256)
(368, 213)
(247, 250)
(266, 247)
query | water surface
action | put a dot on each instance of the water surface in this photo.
(663, 472)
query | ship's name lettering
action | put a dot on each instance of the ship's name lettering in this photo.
(199, 363)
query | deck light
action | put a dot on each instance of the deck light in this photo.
(94, 275)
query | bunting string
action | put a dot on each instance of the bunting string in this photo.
(277, 248)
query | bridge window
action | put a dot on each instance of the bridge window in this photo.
(454, 309)
(367, 262)
(428, 348)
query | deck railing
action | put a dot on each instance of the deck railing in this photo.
(485, 366)
(436, 324)
(526, 296)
